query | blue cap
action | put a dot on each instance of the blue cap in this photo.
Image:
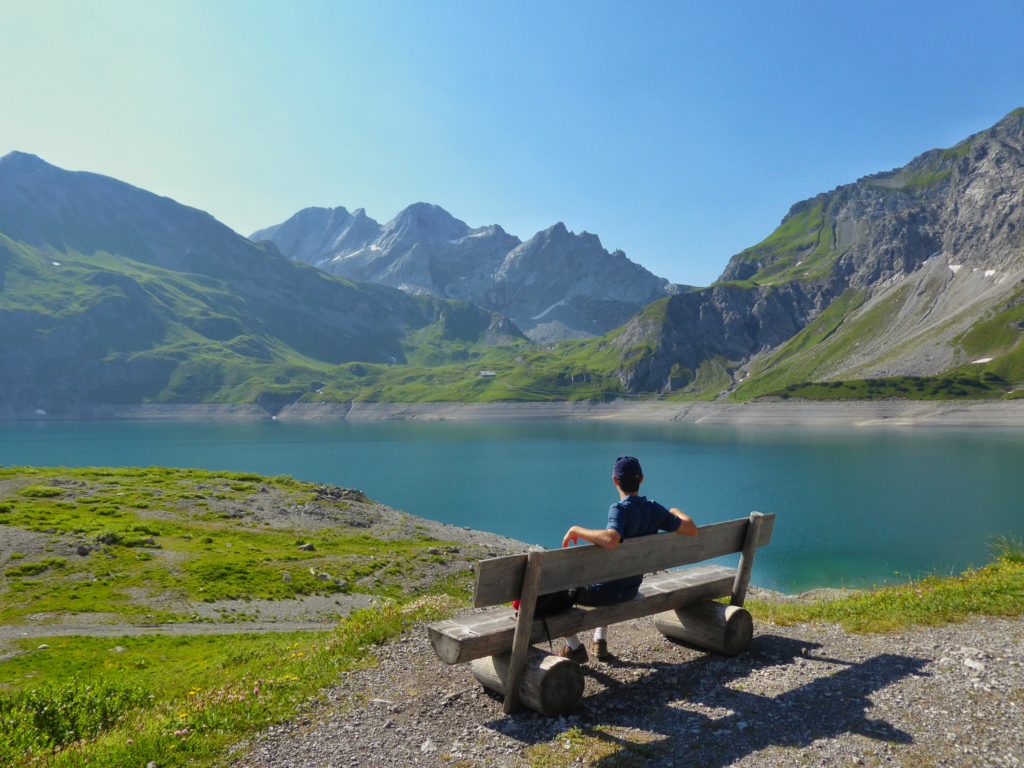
(627, 466)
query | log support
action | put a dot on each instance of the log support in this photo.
(549, 684)
(725, 629)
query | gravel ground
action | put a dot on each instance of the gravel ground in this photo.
(802, 695)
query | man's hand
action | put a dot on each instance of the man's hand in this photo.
(572, 535)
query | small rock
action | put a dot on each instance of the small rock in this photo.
(83, 550)
(977, 666)
(118, 649)
(286, 577)
(324, 576)
(42, 647)
(427, 747)
(151, 764)
(307, 547)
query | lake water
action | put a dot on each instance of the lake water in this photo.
(854, 507)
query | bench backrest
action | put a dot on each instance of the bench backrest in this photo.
(500, 579)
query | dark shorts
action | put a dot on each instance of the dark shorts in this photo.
(604, 594)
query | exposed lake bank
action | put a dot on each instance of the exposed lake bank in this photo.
(775, 413)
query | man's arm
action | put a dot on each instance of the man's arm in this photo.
(686, 525)
(605, 537)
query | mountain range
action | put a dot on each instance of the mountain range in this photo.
(556, 285)
(908, 283)
(914, 272)
(111, 294)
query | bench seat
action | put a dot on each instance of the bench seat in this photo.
(491, 632)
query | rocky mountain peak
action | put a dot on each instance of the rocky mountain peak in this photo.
(315, 235)
(557, 284)
(425, 221)
(22, 160)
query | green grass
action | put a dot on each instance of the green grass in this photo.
(578, 369)
(927, 171)
(177, 701)
(801, 248)
(999, 337)
(184, 700)
(996, 589)
(962, 384)
(712, 376)
(801, 367)
(35, 568)
(158, 536)
(599, 745)
(801, 356)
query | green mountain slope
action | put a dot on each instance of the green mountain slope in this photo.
(109, 294)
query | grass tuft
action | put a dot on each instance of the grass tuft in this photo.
(40, 491)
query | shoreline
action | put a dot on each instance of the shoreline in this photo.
(883, 413)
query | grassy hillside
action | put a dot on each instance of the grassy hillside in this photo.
(100, 328)
(801, 248)
(802, 367)
(168, 545)
(134, 548)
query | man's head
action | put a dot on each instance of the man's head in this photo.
(627, 474)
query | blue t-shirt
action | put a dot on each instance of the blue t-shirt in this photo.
(637, 516)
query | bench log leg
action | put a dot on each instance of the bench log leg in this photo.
(550, 684)
(725, 629)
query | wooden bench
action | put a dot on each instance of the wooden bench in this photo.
(497, 642)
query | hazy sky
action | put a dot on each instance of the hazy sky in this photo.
(680, 132)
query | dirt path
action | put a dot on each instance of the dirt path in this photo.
(803, 695)
(68, 629)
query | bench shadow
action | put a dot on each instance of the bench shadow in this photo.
(828, 706)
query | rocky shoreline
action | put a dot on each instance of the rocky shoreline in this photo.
(883, 413)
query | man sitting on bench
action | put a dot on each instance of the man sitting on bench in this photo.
(633, 515)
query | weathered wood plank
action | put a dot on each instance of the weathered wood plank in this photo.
(498, 579)
(746, 565)
(486, 634)
(551, 685)
(521, 637)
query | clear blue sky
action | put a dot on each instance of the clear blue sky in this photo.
(680, 132)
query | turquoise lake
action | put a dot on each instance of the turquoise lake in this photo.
(854, 507)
